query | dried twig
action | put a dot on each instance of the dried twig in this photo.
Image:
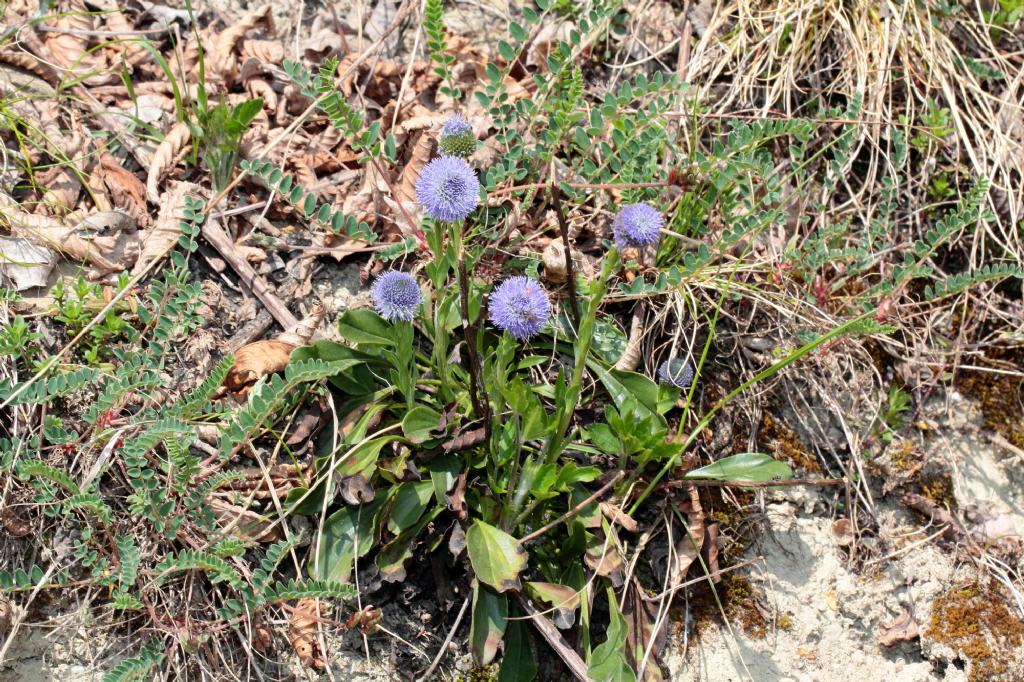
(220, 240)
(563, 228)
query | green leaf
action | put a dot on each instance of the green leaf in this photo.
(363, 457)
(348, 533)
(364, 326)
(518, 663)
(245, 112)
(443, 472)
(746, 466)
(490, 615)
(623, 385)
(496, 556)
(410, 501)
(608, 661)
(419, 422)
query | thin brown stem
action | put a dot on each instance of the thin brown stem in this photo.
(574, 511)
(820, 482)
(563, 228)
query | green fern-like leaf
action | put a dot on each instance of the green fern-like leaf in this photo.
(190, 560)
(138, 667)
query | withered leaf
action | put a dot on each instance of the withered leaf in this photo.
(256, 360)
(691, 538)
(302, 634)
(641, 616)
(902, 629)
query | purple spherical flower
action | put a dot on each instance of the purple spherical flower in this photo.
(396, 295)
(520, 306)
(637, 225)
(457, 138)
(676, 372)
(448, 189)
(456, 125)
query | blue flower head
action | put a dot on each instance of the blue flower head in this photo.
(448, 189)
(396, 295)
(457, 138)
(637, 225)
(520, 306)
(676, 372)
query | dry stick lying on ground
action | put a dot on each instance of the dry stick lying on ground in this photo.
(259, 287)
(404, 11)
(554, 638)
(444, 645)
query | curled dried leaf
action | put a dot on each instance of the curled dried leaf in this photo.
(163, 158)
(902, 629)
(126, 190)
(302, 332)
(256, 360)
(164, 233)
(302, 633)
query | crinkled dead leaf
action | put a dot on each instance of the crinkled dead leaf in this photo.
(302, 634)
(903, 629)
(164, 158)
(126, 191)
(24, 265)
(688, 544)
(614, 514)
(641, 618)
(157, 240)
(256, 360)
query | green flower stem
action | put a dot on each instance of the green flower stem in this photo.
(584, 335)
(845, 328)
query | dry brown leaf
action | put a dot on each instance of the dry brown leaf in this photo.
(244, 523)
(24, 265)
(641, 616)
(164, 233)
(689, 544)
(614, 514)
(266, 51)
(256, 360)
(902, 629)
(126, 190)
(163, 158)
(302, 633)
(56, 235)
(226, 62)
(70, 47)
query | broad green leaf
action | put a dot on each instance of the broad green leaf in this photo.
(363, 457)
(364, 326)
(746, 466)
(518, 663)
(419, 422)
(348, 533)
(490, 615)
(443, 472)
(410, 501)
(622, 385)
(608, 661)
(496, 556)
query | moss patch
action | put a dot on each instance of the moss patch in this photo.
(973, 620)
(1001, 397)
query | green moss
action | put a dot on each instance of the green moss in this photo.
(975, 622)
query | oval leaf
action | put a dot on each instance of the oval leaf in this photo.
(496, 556)
(490, 615)
(746, 466)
